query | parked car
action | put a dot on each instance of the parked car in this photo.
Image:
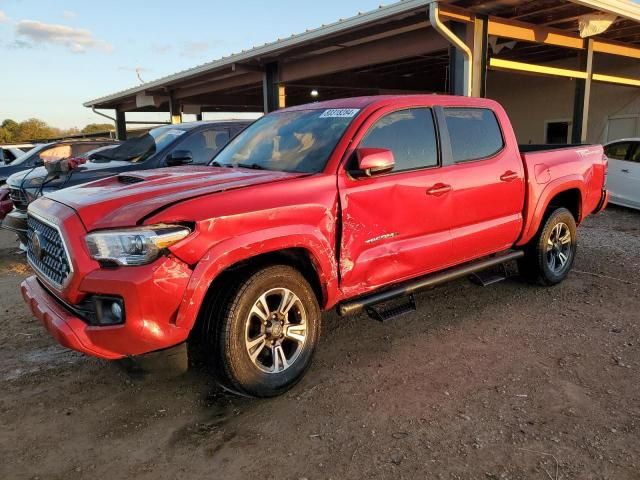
(623, 179)
(351, 203)
(190, 143)
(9, 153)
(5, 201)
(49, 151)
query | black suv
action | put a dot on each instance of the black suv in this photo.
(194, 143)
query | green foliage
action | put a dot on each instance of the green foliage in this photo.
(36, 129)
(98, 128)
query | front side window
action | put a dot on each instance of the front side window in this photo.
(411, 136)
(618, 151)
(204, 145)
(474, 133)
(289, 141)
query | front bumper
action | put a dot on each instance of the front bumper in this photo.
(16, 221)
(152, 296)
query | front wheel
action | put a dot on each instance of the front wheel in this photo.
(266, 332)
(549, 256)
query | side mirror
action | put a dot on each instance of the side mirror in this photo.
(375, 161)
(179, 157)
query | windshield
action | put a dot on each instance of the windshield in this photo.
(140, 148)
(290, 141)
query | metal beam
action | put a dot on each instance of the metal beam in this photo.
(218, 85)
(174, 109)
(121, 125)
(480, 56)
(406, 45)
(500, 64)
(582, 97)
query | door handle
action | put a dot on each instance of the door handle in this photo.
(624, 170)
(509, 176)
(439, 189)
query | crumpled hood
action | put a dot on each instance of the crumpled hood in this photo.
(124, 200)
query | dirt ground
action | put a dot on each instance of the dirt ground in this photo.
(503, 382)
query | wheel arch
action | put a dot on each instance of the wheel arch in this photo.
(310, 256)
(563, 193)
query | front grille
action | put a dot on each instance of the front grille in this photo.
(46, 252)
(19, 198)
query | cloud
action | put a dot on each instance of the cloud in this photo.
(75, 40)
(20, 45)
(161, 48)
(194, 49)
(69, 14)
(4, 18)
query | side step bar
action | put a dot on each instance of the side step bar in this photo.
(408, 288)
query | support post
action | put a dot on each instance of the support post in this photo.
(270, 90)
(457, 67)
(121, 125)
(480, 55)
(582, 97)
(174, 109)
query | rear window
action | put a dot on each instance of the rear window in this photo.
(474, 132)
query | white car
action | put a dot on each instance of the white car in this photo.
(8, 153)
(623, 179)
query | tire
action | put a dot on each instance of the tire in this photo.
(258, 353)
(550, 255)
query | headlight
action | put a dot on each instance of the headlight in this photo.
(135, 246)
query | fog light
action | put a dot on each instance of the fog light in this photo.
(109, 311)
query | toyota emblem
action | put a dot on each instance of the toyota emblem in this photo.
(36, 245)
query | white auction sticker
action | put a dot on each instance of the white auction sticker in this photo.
(340, 113)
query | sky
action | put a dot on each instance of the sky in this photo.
(55, 55)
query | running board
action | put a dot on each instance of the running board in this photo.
(356, 306)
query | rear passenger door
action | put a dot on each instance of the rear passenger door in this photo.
(487, 180)
(392, 229)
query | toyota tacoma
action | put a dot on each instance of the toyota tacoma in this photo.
(352, 203)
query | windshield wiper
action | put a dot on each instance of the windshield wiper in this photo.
(252, 166)
(218, 164)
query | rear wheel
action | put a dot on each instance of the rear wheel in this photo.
(265, 332)
(549, 256)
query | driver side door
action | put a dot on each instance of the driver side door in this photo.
(395, 226)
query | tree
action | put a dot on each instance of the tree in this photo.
(8, 130)
(34, 129)
(98, 128)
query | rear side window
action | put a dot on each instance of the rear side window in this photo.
(474, 132)
(410, 135)
(618, 151)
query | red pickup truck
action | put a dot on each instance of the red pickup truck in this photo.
(352, 203)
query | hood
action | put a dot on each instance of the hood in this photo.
(87, 172)
(124, 200)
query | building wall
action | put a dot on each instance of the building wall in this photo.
(533, 100)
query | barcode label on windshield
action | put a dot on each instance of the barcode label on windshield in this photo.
(340, 113)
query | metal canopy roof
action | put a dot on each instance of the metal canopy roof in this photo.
(557, 13)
